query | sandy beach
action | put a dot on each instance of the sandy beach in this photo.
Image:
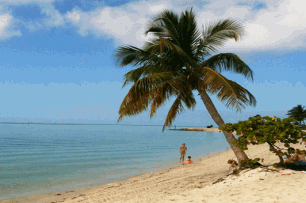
(195, 183)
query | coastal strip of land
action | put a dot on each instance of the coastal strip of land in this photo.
(198, 129)
(204, 181)
(205, 129)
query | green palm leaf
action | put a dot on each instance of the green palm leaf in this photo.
(130, 55)
(141, 93)
(217, 33)
(229, 92)
(189, 33)
(143, 71)
(228, 62)
(178, 107)
(173, 87)
(164, 25)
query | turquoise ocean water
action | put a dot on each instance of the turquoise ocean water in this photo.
(38, 159)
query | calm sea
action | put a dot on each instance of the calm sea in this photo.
(37, 159)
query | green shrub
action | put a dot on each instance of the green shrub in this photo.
(251, 163)
(259, 130)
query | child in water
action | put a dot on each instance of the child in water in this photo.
(188, 160)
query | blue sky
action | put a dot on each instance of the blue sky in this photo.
(57, 57)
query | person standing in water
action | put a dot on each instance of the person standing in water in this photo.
(183, 150)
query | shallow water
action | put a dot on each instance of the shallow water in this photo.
(37, 159)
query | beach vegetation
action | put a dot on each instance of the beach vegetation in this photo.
(254, 116)
(259, 130)
(251, 163)
(181, 59)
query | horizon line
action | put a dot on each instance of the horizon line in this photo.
(90, 124)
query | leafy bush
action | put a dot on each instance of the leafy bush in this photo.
(251, 163)
(259, 130)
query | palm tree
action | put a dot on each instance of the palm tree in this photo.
(176, 63)
(298, 113)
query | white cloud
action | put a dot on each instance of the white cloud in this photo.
(6, 30)
(47, 8)
(281, 25)
(4, 22)
(157, 8)
(74, 16)
(126, 25)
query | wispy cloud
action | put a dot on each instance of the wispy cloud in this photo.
(54, 17)
(19, 2)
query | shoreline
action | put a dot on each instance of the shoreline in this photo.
(72, 193)
(204, 181)
(169, 184)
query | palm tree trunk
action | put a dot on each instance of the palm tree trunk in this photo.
(219, 121)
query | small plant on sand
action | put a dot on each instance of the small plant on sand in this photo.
(251, 163)
(259, 130)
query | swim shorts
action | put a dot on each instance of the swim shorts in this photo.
(301, 163)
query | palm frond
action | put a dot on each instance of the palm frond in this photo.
(172, 87)
(216, 34)
(135, 102)
(229, 92)
(143, 71)
(178, 107)
(173, 33)
(130, 55)
(141, 93)
(228, 62)
(181, 53)
(154, 48)
(163, 93)
(163, 25)
(189, 33)
(169, 47)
